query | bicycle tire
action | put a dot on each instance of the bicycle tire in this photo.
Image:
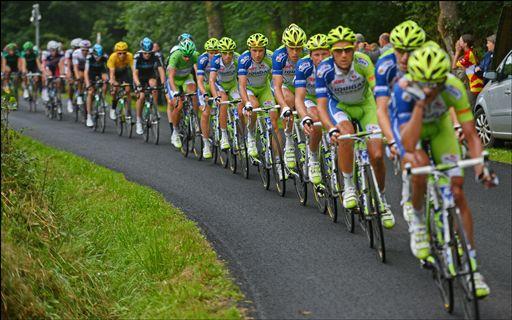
(120, 121)
(277, 158)
(330, 199)
(185, 136)
(102, 118)
(263, 170)
(378, 231)
(348, 215)
(301, 186)
(154, 118)
(443, 283)
(197, 137)
(241, 150)
(227, 157)
(319, 191)
(215, 142)
(462, 262)
(365, 221)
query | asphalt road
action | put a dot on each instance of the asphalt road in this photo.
(289, 260)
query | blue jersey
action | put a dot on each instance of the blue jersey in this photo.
(283, 66)
(386, 74)
(258, 74)
(305, 75)
(349, 88)
(225, 73)
(203, 66)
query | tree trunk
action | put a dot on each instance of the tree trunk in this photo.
(214, 19)
(446, 24)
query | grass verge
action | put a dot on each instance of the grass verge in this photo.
(503, 154)
(79, 240)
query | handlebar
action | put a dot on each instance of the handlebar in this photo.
(483, 159)
(265, 109)
(358, 135)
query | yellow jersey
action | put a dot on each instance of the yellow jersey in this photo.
(115, 62)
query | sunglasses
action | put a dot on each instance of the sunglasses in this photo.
(430, 85)
(346, 49)
(121, 53)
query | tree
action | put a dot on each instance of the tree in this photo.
(447, 24)
(214, 19)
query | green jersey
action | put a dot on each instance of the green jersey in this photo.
(183, 68)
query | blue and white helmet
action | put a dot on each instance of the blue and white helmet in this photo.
(97, 50)
(146, 45)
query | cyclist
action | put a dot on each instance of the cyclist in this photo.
(223, 82)
(78, 59)
(181, 70)
(30, 62)
(426, 117)
(284, 60)
(120, 66)
(391, 65)
(11, 62)
(181, 37)
(254, 69)
(54, 65)
(95, 67)
(68, 56)
(203, 71)
(305, 99)
(344, 84)
(147, 67)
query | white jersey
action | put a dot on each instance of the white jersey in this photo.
(78, 58)
(176, 47)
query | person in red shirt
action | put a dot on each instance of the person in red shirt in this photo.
(466, 59)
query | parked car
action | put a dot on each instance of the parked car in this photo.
(493, 108)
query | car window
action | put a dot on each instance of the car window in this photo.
(505, 68)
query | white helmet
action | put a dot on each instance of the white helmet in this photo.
(85, 44)
(60, 45)
(52, 45)
(75, 43)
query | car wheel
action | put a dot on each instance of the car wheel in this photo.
(483, 129)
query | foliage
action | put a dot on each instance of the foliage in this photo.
(163, 21)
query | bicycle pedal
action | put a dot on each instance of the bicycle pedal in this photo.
(428, 263)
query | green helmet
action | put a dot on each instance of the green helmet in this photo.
(294, 36)
(187, 47)
(431, 43)
(227, 44)
(407, 35)
(318, 41)
(340, 33)
(257, 40)
(429, 64)
(28, 46)
(11, 46)
(211, 44)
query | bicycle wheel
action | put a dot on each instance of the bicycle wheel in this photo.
(319, 191)
(77, 110)
(197, 137)
(378, 232)
(102, 117)
(365, 220)
(263, 166)
(330, 199)
(227, 157)
(154, 118)
(277, 164)
(184, 136)
(120, 121)
(129, 124)
(240, 151)
(301, 186)
(442, 279)
(215, 141)
(348, 215)
(465, 274)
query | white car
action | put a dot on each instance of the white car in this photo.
(493, 108)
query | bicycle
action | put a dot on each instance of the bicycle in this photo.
(11, 91)
(32, 90)
(449, 257)
(99, 112)
(80, 110)
(150, 115)
(270, 153)
(54, 103)
(300, 173)
(123, 112)
(189, 125)
(370, 204)
(215, 132)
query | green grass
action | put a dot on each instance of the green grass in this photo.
(503, 154)
(79, 240)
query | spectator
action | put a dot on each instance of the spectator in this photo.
(466, 59)
(360, 43)
(373, 51)
(384, 42)
(486, 62)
